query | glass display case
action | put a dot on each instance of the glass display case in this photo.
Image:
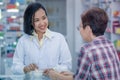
(34, 75)
(22, 77)
(12, 77)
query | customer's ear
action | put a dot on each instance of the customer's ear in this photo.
(89, 30)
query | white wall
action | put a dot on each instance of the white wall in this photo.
(78, 10)
(70, 26)
(74, 9)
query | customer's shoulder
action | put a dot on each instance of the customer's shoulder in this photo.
(87, 45)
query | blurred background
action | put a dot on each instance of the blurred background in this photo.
(64, 17)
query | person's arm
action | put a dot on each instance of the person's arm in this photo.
(18, 59)
(54, 75)
(65, 60)
(83, 65)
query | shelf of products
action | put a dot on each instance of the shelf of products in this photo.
(11, 28)
(115, 24)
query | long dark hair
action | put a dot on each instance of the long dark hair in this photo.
(29, 14)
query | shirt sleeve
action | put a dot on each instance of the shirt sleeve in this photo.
(65, 60)
(83, 65)
(18, 59)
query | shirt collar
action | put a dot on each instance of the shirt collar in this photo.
(47, 34)
(99, 38)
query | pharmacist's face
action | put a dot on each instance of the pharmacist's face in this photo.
(40, 21)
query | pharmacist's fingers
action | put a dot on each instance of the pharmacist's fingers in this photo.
(32, 67)
(35, 66)
(26, 69)
(46, 71)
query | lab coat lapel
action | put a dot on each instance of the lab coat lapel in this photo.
(36, 42)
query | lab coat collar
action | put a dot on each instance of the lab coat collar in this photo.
(48, 34)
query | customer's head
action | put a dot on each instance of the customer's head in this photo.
(96, 20)
(35, 18)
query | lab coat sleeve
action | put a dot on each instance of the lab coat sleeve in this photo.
(18, 59)
(65, 60)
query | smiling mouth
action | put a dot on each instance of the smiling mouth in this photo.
(42, 27)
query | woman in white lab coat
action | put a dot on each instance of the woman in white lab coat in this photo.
(40, 48)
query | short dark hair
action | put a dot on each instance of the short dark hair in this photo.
(97, 19)
(29, 14)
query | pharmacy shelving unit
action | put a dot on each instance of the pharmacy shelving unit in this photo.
(115, 24)
(11, 28)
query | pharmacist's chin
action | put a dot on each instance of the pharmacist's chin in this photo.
(42, 30)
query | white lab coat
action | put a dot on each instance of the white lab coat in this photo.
(53, 54)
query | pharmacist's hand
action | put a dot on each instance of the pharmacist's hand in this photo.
(30, 67)
(46, 72)
(51, 73)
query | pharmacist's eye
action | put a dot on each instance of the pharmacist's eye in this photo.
(44, 17)
(35, 20)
